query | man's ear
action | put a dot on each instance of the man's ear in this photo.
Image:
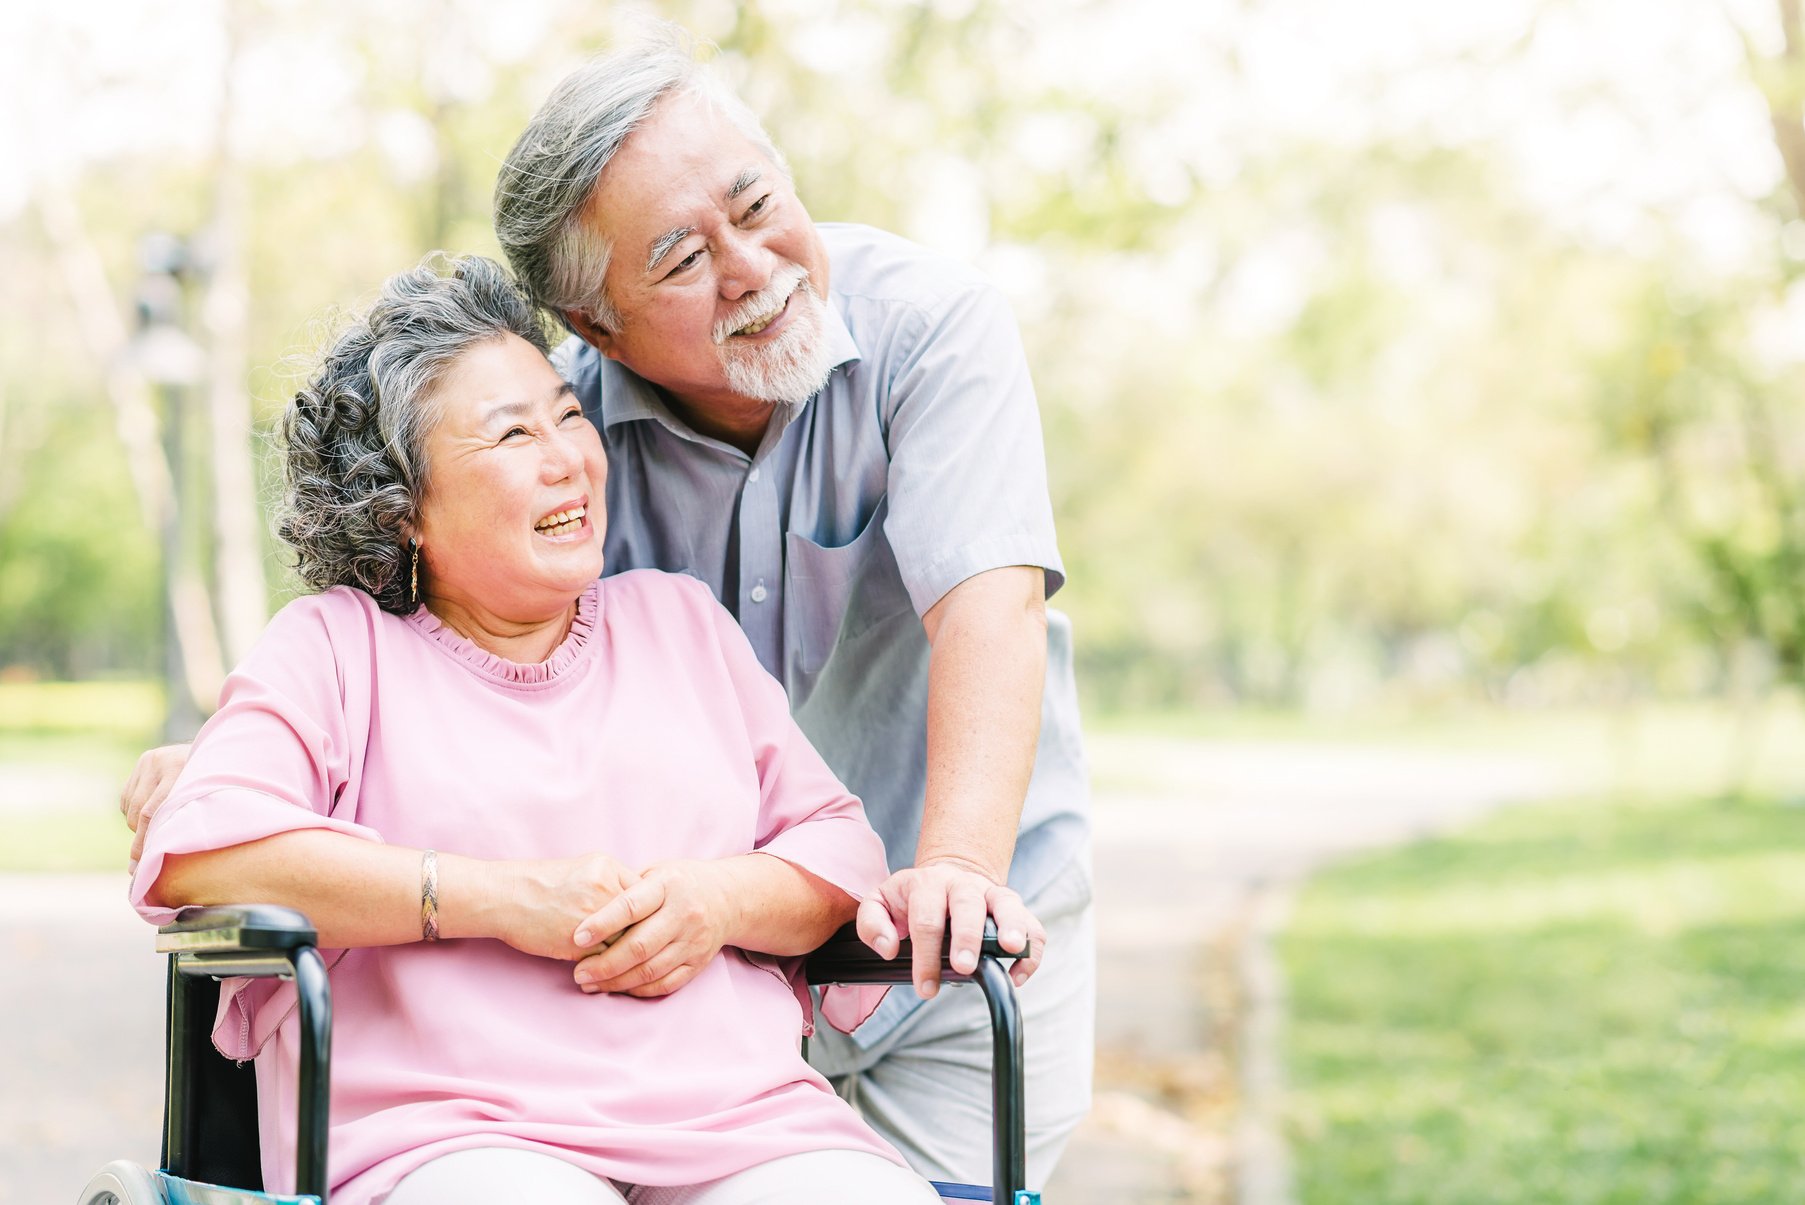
(591, 332)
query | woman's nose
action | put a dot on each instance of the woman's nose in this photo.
(563, 456)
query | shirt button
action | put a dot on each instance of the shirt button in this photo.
(752, 476)
(759, 593)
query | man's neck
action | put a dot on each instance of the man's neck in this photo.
(732, 420)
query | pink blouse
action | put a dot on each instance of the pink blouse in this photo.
(651, 733)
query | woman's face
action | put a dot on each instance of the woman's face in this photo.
(515, 509)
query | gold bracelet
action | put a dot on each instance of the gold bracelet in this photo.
(429, 895)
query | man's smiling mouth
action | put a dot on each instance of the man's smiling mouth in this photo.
(758, 325)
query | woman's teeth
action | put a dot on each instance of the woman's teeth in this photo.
(562, 523)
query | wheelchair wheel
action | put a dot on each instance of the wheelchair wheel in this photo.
(122, 1182)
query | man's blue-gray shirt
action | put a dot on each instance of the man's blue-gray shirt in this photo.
(919, 464)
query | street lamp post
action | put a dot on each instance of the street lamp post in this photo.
(170, 360)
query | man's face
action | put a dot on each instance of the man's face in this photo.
(717, 272)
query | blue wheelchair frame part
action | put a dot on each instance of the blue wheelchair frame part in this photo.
(262, 941)
(177, 1191)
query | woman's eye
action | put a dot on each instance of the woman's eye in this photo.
(573, 412)
(513, 431)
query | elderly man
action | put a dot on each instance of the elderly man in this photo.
(835, 429)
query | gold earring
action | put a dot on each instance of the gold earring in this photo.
(413, 575)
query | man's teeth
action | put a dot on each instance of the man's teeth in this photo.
(563, 522)
(758, 326)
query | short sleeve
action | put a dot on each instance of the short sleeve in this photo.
(968, 474)
(806, 816)
(282, 753)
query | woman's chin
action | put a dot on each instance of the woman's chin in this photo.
(573, 567)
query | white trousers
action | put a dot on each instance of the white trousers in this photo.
(509, 1176)
(926, 1086)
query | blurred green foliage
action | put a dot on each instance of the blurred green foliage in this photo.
(1330, 423)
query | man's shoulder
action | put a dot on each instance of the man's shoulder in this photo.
(873, 266)
(575, 359)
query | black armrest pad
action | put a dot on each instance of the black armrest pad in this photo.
(236, 929)
(844, 956)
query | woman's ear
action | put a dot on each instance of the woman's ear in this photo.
(591, 332)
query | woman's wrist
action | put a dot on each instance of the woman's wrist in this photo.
(473, 896)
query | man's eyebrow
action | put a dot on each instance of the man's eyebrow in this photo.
(667, 240)
(743, 181)
(661, 247)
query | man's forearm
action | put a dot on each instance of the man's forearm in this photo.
(985, 679)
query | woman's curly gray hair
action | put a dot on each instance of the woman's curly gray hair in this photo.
(354, 438)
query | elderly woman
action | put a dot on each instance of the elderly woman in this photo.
(562, 831)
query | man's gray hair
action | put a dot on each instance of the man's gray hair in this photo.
(547, 179)
(354, 437)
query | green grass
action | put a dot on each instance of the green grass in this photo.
(65, 751)
(60, 841)
(1641, 749)
(126, 709)
(1572, 1003)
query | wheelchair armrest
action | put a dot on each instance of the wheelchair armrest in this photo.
(235, 929)
(844, 958)
(237, 939)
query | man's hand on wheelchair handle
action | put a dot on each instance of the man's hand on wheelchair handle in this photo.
(923, 899)
(148, 787)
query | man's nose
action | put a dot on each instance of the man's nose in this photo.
(746, 265)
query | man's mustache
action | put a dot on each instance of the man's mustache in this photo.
(767, 303)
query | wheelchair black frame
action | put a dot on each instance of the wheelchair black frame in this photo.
(266, 941)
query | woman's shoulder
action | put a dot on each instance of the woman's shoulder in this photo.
(338, 620)
(336, 607)
(672, 609)
(659, 589)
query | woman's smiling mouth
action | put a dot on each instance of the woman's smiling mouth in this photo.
(563, 522)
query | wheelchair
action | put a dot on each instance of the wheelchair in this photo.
(210, 1101)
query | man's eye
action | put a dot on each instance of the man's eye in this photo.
(573, 412)
(688, 261)
(757, 207)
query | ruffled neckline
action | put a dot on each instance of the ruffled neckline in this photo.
(566, 658)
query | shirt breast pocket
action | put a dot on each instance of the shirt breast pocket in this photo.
(832, 596)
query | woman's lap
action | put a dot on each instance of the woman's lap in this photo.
(811, 1178)
(507, 1176)
(496, 1175)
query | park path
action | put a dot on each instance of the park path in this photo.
(1198, 845)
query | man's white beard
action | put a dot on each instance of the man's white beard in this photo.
(792, 367)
